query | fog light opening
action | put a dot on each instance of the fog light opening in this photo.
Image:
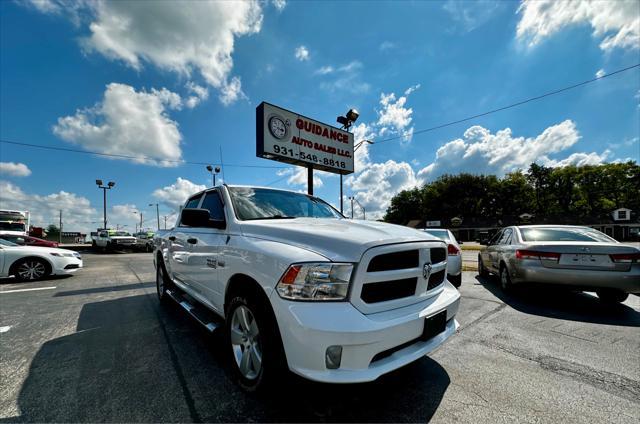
(333, 357)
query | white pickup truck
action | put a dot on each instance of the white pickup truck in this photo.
(112, 240)
(297, 286)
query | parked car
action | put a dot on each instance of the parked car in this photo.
(454, 261)
(300, 287)
(577, 257)
(28, 240)
(30, 263)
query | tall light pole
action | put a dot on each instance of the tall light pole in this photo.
(213, 171)
(139, 213)
(109, 186)
(157, 213)
(347, 120)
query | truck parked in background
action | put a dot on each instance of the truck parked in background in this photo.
(14, 222)
(112, 240)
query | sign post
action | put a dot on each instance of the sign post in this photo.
(289, 137)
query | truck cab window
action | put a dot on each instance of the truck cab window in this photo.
(213, 204)
(193, 202)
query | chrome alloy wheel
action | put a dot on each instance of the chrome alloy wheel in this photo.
(245, 342)
(31, 270)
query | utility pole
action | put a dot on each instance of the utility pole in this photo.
(351, 198)
(165, 222)
(60, 232)
(310, 180)
(157, 213)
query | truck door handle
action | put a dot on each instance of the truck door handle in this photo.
(172, 238)
(192, 240)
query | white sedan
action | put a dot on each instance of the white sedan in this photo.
(454, 261)
(30, 263)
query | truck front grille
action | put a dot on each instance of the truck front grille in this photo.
(435, 279)
(397, 260)
(438, 254)
(389, 290)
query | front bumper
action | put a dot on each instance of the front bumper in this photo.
(66, 265)
(532, 272)
(309, 328)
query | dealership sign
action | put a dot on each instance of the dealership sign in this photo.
(288, 137)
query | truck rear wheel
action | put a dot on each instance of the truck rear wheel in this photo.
(254, 344)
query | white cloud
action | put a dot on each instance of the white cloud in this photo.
(394, 117)
(169, 35)
(302, 53)
(77, 212)
(127, 122)
(197, 94)
(324, 70)
(347, 78)
(231, 91)
(298, 176)
(176, 194)
(14, 169)
(376, 185)
(600, 73)
(485, 153)
(387, 45)
(279, 4)
(615, 23)
(471, 14)
(580, 159)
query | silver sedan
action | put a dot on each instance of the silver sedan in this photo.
(578, 257)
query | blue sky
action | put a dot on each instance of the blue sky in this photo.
(179, 81)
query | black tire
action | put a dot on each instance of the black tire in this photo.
(482, 271)
(505, 279)
(456, 280)
(162, 283)
(611, 296)
(266, 342)
(30, 269)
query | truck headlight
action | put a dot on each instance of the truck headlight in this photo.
(315, 281)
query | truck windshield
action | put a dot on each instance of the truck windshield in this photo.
(12, 226)
(263, 203)
(121, 233)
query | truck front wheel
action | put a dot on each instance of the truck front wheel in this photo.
(254, 344)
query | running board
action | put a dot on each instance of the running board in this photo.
(200, 313)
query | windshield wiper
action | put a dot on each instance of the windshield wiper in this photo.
(272, 217)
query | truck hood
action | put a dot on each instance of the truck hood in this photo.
(336, 239)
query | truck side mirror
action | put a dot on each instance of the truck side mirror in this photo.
(194, 217)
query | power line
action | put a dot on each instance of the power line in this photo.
(531, 99)
(113, 155)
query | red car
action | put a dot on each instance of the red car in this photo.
(28, 240)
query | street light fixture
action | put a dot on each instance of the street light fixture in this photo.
(364, 212)
(213, 171)
(157, 213)
(109, 186)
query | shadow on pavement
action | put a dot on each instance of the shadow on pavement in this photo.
(563, 304)
(132, 360)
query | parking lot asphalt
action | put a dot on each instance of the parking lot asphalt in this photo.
(99, 347)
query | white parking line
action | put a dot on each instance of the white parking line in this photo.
(26, 290)
(5, 329)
